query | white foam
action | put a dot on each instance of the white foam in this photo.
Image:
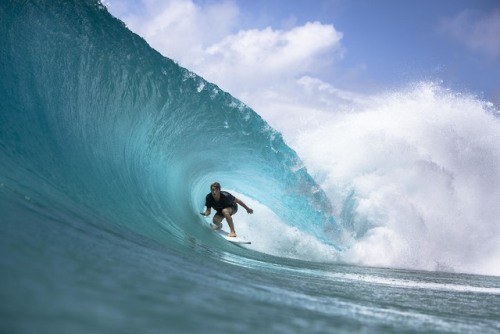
(411, 284)
(424, 167)
(270, 235)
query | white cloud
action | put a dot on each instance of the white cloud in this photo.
(255, 58)
(477, 31)
(298, 105)
(178, 29)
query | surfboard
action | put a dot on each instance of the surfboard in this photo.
(234, 240)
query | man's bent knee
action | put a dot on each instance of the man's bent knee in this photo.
(227, 212)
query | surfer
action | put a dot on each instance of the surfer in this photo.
(225, 205)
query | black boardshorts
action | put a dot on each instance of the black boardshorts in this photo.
(234, 207)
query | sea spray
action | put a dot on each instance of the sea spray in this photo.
(415, 178)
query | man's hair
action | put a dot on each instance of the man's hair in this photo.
(216, 185)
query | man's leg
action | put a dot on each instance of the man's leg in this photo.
(227, 212)
(217, 221)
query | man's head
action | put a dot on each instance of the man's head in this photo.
(215, 189)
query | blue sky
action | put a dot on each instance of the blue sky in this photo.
(400, 41)
(270, 52)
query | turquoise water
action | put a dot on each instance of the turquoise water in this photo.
(107, 151)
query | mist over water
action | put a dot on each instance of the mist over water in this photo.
(414, 178)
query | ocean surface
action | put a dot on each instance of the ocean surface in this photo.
(107, 150)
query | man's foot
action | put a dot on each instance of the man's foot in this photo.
(216, 226)
(232, 234)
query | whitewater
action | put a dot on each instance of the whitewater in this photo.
(378, 215)
(414, 176)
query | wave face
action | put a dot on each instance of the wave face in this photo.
(91, 113)
(107, 150)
